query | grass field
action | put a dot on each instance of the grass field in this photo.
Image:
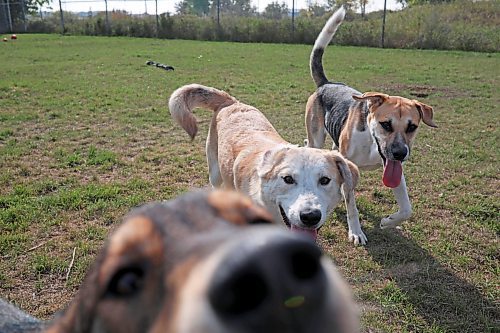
(85, 134)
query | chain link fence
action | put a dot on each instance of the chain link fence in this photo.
(458, 25)
(13, 16)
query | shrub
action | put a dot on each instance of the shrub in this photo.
(459, 25)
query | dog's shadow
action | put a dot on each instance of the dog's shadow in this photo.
(445, 301)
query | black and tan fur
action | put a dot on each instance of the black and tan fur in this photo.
(206, 262)
(371, 129)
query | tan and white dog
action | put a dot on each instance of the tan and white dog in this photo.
(370, 129)
(298, 185)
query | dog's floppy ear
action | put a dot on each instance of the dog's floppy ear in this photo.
(238, 209)
(375, 99)
(348, 171)
(270, 159)
(426, 112)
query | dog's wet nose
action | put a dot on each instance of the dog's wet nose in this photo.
(399, 152)
(256, 286)
(310, 217)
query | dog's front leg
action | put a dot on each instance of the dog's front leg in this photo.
(404, 212)
(356, 235)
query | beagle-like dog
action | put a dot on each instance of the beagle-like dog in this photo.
(206, 262)
(298, 185)
(370, 129)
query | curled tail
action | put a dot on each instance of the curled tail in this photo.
(324, 38)
(186, 98)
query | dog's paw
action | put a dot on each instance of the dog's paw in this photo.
(394, 220)
(357, 237)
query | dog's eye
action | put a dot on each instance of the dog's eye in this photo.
(324, 181)
(411, 128)
(386, 125)
(126, 282)
(289, 180)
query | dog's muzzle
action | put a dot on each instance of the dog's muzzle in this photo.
(399, 152)
(310, 217)
(270, 287)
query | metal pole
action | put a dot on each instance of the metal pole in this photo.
(107, 17)
(62, 18)
(293, 20)
(24, 16)
(383, 23)
(218, 14)
(8, 16)
(157, 20)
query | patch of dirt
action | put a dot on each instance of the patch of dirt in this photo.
(421, 91)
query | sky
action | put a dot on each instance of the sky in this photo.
(142, 6)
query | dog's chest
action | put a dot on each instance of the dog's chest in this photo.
(363, 151)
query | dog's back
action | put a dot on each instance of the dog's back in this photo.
(336, 100)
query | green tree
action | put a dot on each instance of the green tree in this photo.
(362, 6)
(349, 5)
(406, 3)
(276, 11)
(17, 11)
(234, 7)
(193, 7)
(314, 9)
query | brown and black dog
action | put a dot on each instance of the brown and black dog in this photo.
(206, 262)
(371, 129)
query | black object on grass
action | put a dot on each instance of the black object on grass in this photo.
(157, 64)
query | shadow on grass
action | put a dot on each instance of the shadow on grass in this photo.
(441, 298)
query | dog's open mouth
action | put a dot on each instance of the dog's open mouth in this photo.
(310, 232)
(392, 173)
(392, 169)
(284, 217)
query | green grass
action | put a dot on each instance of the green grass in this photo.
(85, 135)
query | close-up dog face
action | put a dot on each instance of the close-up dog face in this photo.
(196, 265)
(304, 184)
(393, 123)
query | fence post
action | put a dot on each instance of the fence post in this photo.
(24, 16)
(218, 14)
(62, 18)
(157, 20)
(293, 20)
(383, 23)
(107, 18)
(8, 16)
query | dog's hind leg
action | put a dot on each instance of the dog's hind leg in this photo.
(212, 150)
(404, 212)
(315, 123)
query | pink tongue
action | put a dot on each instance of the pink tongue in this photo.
(310, 232)
(392, 173)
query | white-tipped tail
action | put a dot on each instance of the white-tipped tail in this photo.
(324, 38)
(186, 98)
(331, 26)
